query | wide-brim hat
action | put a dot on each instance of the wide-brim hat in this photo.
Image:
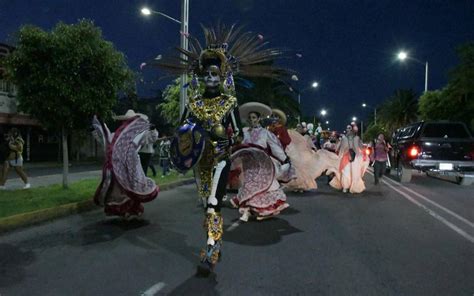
(280, 114)
(129, 114)
(247, 108)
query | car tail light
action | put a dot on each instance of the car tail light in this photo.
(413, 151)
(469, 156)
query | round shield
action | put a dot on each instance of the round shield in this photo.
(187, 146)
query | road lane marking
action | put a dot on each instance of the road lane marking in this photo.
(435, 204)
(233, 226)
(429, 201)
(433, 213)
(154, 289)
(429, 211)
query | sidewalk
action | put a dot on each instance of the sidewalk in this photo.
(48, 173)
(45, 179)
(41, 181)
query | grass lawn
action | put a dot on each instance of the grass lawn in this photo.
(14, 202)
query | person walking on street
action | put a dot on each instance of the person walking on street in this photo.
(146, 152)
(14, 158)
(318, 132)
(165, 156)
(379, 156)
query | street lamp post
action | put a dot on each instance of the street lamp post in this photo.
(375, 112)
(402, 55)
(183, 98)
(183, 95)
(313, 85)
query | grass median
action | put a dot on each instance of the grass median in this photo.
(20, 201)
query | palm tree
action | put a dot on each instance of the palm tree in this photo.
(400, 109)
(273, 93)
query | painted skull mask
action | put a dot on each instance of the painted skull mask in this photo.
(212, 76)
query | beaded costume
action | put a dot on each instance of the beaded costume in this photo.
(210, 124)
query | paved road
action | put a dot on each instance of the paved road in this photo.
(391, 240)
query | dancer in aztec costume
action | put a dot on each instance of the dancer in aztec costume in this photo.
(210, 125)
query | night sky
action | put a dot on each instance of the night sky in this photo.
(349, 47)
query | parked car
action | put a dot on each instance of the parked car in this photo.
(438, 148)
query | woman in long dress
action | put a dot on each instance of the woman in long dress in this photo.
(353, 163)
(124, 186)
(262, 162)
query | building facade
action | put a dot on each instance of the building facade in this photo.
(40, 144)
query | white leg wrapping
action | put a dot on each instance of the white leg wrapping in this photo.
(212, 200)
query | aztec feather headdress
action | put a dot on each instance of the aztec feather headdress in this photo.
(235, 52)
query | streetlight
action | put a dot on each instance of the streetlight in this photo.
(403, 55)
(354, 118)
(327, 121)
(313, 85)
(183, 98)
(375, 111)
(323, 112)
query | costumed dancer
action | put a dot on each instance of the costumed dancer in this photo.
(331, 146)
(353, 163)
(278, 127)
(298, 148)
(204, 140)
(124, 186)
(332, 142)
(309, 136)
(263, 161)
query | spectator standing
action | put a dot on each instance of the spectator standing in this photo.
(318, 132)
(146, 154)
(14, 158)
(165, 156)
(146, 151)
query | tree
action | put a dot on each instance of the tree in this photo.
(398, 110)
(460, 89)
(66, 76)
(455, 101)
(462, 76)
(273, 93)
(432, 105)
(169, 108)
(373, 131)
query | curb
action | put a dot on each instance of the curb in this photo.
(40, 216)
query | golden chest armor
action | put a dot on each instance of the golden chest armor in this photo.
(211, 112)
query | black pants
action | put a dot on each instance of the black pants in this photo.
(379, 170)
(145, 161)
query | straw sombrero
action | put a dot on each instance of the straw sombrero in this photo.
(129, 114)
(280, 114)
(247, 108)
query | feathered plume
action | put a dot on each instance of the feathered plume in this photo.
(246, 54)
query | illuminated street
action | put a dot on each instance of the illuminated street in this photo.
(326, 243)
(181, 148)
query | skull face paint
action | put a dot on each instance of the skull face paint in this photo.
(212, 77)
